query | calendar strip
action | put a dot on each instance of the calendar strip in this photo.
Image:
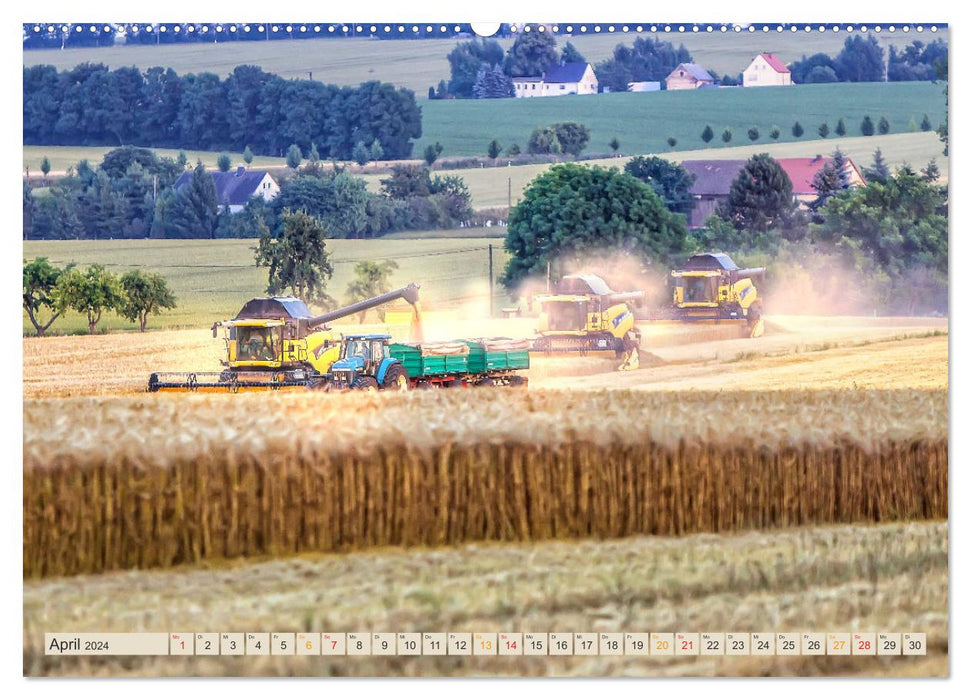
(658, 644)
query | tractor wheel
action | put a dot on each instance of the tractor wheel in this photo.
(364, 383)
(396, 379)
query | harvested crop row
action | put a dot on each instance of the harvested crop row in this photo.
(136, 483)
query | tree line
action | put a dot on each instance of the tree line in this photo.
(131, 194)
(92, 105)
(862, 60)
(50, 290)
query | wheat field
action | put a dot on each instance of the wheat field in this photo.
(887, 577)
(151, 481)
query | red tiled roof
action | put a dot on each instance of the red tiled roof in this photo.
(774, 61)
(801, 171)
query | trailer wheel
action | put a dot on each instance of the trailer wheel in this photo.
(364, 383)
(486, 381)
(396, 379)
(516, 380)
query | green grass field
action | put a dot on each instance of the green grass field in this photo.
(212, 279)
(418, 64)
(642, 122)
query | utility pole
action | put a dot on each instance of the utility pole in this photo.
(509, 181)
(492, 296)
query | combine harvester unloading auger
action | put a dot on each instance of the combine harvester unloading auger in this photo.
(275, 343)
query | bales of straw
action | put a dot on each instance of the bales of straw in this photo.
(157, 481)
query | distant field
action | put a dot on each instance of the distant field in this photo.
(490, 186)
(212, 279)
(642, 122)
(418, 64)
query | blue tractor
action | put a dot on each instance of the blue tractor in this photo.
(365, 363)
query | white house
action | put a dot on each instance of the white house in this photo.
(564, 79)
(234, 189)
(766, 69)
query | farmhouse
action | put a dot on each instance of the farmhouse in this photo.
(689, 76)
(766, 69)
(235, 188)
(575, 78)
(713, 182)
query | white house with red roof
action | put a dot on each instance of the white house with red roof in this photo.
(766, 69)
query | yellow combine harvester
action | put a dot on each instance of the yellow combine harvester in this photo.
(275, 343)
(584, 316)
(711, 287)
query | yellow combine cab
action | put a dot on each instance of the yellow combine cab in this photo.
(711, 287)
(584, 316)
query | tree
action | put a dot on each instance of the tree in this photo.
(821, 74)
(338, 202)
(830, 180)
(797, 130)
(40, 283)
(531, 54)
(670, 181)
(823, 130)
(861, 60)
(224, 163)
(572, 136)
(407, 181)
(370, 280)
(648, 59)
(775, 133)
(544, 141)
(570, 211)
(377, 150)
(878, 171)
(614, 145)
(195, 207)
(925, 124)
(432, 152)
(840, 127)
(297, 258)
(672, 142)
(898, 225)
(361, 154)
(800, 70)
(753, 134)
(248, 156)
(513, 150)
(707, 134)
(940, 68)
(465, 62)
(883, 126)
(45, 167)
(570, 54)
(492, 83)
(294, 156)
(91, 292)
(727, 135)
(866, 126)
(931, 173)
(494, 149)
(144, 293)
(760, 197)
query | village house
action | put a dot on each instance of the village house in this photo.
(233, 189)
(764, 70)
(575, 78)
(689, 76)
(713, 182)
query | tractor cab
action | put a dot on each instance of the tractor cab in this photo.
(361, 355)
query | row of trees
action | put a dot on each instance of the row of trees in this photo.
(251, 108)
(49, 291)
(131, 195)
(889, 236)
(867, 128)
(862, 60)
